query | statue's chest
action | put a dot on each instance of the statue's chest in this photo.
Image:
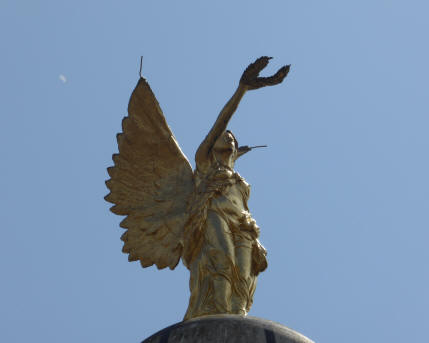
(235, 196)
(231, 191)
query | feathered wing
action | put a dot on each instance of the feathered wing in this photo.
(150, 183)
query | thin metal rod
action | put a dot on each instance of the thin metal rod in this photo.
(258, 146)
(141, 63)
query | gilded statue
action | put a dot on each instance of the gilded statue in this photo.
(200, 216)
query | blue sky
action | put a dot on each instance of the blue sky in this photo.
(341, 194)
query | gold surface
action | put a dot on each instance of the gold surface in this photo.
(200, 216)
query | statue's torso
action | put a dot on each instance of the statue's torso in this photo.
(226, 193)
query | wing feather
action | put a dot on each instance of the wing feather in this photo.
(149, 183)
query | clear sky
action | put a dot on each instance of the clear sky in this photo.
(341, 194)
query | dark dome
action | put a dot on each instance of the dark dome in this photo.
(227, 329)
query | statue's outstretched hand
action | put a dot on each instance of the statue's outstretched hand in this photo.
(251, 80)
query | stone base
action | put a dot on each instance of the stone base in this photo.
(227, 329)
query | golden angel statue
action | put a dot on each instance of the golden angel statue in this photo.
(200, 216)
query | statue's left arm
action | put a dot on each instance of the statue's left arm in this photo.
(220, 125)
(249, 80)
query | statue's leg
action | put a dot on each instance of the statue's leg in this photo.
(220, 247)
(242, 300)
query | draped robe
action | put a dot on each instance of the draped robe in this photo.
(222, 250)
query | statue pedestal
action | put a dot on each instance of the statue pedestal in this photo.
(227, 329)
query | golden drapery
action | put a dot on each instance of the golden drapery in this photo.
(222, 251)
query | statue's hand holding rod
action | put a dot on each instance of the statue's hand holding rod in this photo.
(251, 80)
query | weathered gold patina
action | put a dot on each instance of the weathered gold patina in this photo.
(200, 216)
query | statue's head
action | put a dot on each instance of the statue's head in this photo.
(226, 147)
(226, 142)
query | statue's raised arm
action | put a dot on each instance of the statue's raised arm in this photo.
(249, 80)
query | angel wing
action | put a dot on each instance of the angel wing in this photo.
(150, 183)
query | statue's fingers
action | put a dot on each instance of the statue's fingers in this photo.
(260, 64)
(281, 73)
(253, 70)
(267, 81)
(275, 79)
(284, 70)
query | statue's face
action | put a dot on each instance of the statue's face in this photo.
(225, 142)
